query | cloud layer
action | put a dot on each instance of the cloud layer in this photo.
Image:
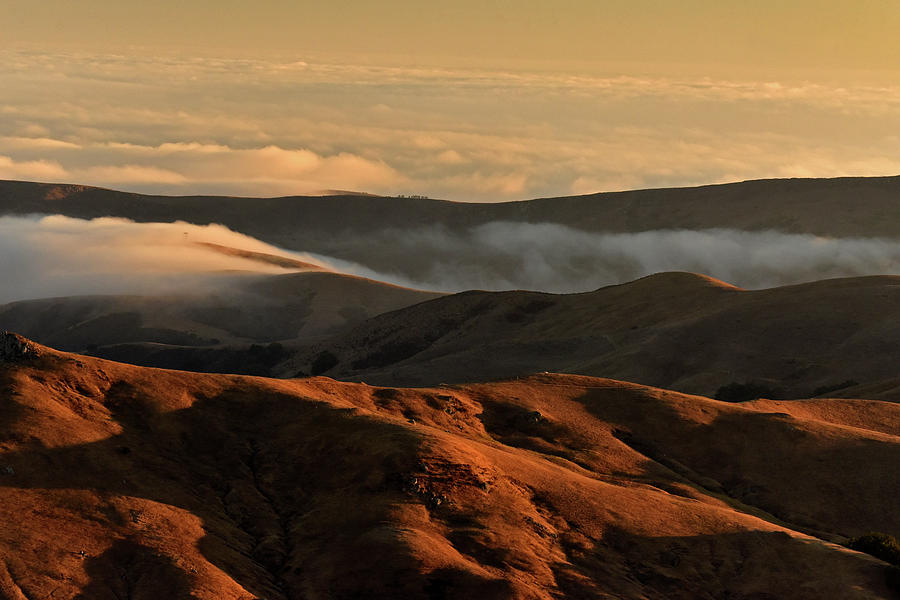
(45, 256)
(269, 127)
(555, 258)
(59, 256)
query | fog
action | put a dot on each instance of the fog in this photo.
(555, 258)
(47, 256)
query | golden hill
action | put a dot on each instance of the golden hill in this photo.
(119, 481)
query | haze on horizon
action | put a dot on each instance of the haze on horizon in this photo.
(482, 101)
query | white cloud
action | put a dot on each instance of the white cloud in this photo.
(41, 170)
(60, 256)
(128, 174)
(555, 258)
(39, 143)
(500, 184)
(450, 157)
(270, 127)
(179, 166)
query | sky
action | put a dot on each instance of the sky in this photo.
(470, 101)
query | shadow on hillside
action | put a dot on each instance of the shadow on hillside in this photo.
(298, 497)
(751, 565)
(815, 477)
(131, 570)
(289, 491)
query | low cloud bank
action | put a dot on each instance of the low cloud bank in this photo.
(267, 127)
(45, 256)
(555, 258)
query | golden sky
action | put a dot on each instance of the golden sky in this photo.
(738, 34)
(486, 100)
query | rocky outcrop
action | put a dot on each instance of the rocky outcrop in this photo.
(15, 348)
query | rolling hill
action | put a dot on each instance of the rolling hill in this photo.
(679, 331)
(210, 328)
(172, 484)
(841, 207)
(364, 229)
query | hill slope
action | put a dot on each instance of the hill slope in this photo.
(842, 207)
(673, 330)
(201, 329)
(555, 244)
(169, 484)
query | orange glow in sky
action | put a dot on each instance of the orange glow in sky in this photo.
(467, 100)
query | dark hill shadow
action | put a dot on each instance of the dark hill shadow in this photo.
(134, 571)
(291, 492)
(814, 477)
(746, 565)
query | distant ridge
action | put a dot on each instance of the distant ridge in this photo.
(210, 329)
(677, 330)
(840, 207)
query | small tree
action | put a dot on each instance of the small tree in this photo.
(880, 545)
(885, 547)
(323, 362)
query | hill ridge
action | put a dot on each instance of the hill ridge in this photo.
(168, 484)
(838, 207)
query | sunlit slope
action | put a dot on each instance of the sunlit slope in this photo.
(122, 481)
(674, 330)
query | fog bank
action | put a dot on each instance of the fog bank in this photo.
(556, 258)
(45, 256)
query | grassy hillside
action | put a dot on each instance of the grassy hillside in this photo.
(169, 484)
